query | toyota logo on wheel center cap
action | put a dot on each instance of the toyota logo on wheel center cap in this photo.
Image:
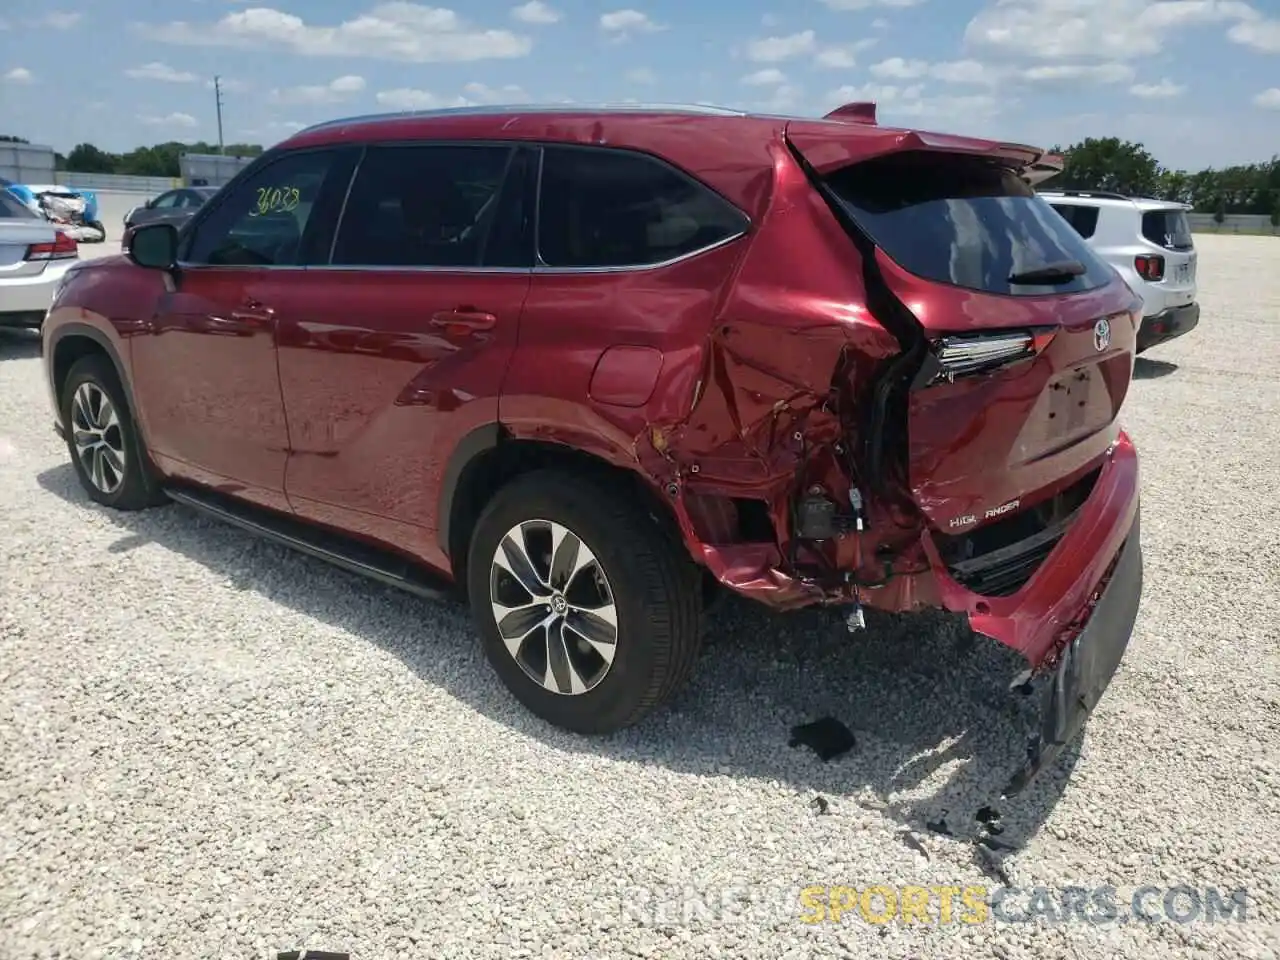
(558, 604)
(1102, 335)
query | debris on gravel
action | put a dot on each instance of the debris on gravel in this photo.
(212, 747)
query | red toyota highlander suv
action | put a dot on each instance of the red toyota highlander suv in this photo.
(585, 364)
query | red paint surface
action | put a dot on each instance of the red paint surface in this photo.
(744, 372)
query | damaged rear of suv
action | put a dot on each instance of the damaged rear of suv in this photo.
(909, 398)
(584, 363)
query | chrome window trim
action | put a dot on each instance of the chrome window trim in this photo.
(540, 270)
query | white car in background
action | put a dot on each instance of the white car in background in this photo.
(1149, 242)
(34, 257)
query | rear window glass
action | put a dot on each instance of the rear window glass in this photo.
(1083, 219)
(11, 208)
(1167, 228)
(964, 222)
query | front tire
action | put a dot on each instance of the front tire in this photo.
(587, 611)
(102, 439)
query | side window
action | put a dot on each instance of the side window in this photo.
(424, 205)
(1084, 219)
(166, 201)
(264, 221)
(616, 208)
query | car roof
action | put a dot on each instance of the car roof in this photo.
(1103, 198)
(726, 148)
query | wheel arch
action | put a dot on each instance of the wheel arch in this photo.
(489, 457)
(71, 342)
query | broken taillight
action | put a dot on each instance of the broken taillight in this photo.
(965, 354)
(64, 247)
(1149, 266)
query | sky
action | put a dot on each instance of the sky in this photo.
(1196, 81)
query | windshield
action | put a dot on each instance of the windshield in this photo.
(967, 222)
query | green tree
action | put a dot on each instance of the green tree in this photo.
(1220, 211)
(86, 158)
(10, 138)
(1110, 164)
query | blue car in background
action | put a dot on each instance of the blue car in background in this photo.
(75, 208)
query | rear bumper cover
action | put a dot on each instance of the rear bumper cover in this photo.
(1087, 664)
(1167, 324)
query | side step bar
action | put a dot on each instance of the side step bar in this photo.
(354, 557)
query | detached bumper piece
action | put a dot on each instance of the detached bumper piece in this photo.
(1087, 664)
(1167, 324)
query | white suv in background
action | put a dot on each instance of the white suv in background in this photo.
(1149, 243)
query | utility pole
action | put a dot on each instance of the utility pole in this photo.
(217, 97)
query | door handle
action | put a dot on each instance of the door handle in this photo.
(464, 318)
(253, 313)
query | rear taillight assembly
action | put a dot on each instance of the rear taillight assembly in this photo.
(1149, 266)
(967, 354)
(64, 247)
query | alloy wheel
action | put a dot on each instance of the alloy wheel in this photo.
(554, 607)
(99, 443)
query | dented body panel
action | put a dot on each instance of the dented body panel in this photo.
(770, 389)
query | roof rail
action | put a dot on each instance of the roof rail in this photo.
(700, 109)
(860, 111)
(1099, 194)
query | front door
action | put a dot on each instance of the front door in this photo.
(205, 369)
(402, 342)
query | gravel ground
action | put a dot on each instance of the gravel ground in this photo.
(212, 747)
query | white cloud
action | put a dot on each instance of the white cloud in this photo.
(535, 11)
(1268, 99)
(1155, 91)
(844, 57)
(481, 93)
(895, 68)
(408, 98)
(161, 72)
(1260, 34)
(642, 75)
(623, 23)
(782, 99)
(765, 78)
(1085, 73)
(394, 30)
(867, 4)
(19, 75)
(964, 71)
(59, 20)
(879, 23)
(769, 21)
(910, 102)
(170, 120)
(777, 49)
(341, 88)
(1110, 30)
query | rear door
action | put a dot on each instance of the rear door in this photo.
(1030, 333)
(1168, 233)
(397, 345)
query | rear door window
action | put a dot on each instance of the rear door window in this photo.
(11, 208)
(1168, 228)
(1083, 219)
(964, 221)
(430, 205)
(618, 208)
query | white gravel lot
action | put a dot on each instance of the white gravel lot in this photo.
(211, 747)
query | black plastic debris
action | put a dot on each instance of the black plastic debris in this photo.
(991, 843)
(939, 826)
(991, 865)
(915, 843)
(819, 805)
(828, 738)
(987, 815)
(312, 955)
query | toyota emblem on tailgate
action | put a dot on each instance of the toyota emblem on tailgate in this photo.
(1102, 334)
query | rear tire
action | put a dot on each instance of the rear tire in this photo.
(103, 441)
(632, 585)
